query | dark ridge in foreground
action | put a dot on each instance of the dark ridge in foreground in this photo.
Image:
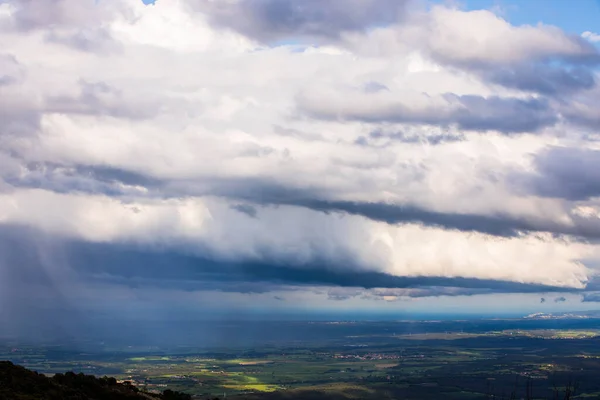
(19, 383)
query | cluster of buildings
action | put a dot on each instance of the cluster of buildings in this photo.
(369, 356)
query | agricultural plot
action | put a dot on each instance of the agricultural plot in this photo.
(453, 365)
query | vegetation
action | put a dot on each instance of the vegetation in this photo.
(359, 361)
(18, 383)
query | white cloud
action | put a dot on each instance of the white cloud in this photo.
(307, 237)
(469, 37)
(591, 36)
(148, 124)
(483, 37)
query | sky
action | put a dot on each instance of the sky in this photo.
(192, 157)
(572, 17)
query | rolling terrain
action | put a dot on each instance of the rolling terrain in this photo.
(347, 360)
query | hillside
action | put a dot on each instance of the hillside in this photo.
(18, 383)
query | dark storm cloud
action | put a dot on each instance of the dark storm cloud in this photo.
(79, 178)
(129, 263)
(245, 209)
(21, 256)
(563, 172)
(267, 193)
(542, 78)
(273, 20)
(403, 137)
(261, 192)
(470, 112)
(560, 299)
(494, 224)
(31, 257)
(34, 287)
(507, 115)
(54, 287)
(501, 226)
(591, 297)
(593, 285)
(110, 174)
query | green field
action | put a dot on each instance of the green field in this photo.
(452, 365)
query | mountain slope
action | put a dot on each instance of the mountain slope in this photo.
(18, 383)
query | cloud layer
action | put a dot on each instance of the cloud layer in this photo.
(379, 148)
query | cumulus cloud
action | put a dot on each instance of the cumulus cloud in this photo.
(262, 149)
(30, 15)
(99, 98)
(19, 108)
(135, 266)
(517, 57)
(564, 172)
(272, 20)
(539, 59)
(311, 247)
(543, 78)
(481, 37)
(591, 36)
(581, 110)
(431, 138)
(12, 70)
(468, 112)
